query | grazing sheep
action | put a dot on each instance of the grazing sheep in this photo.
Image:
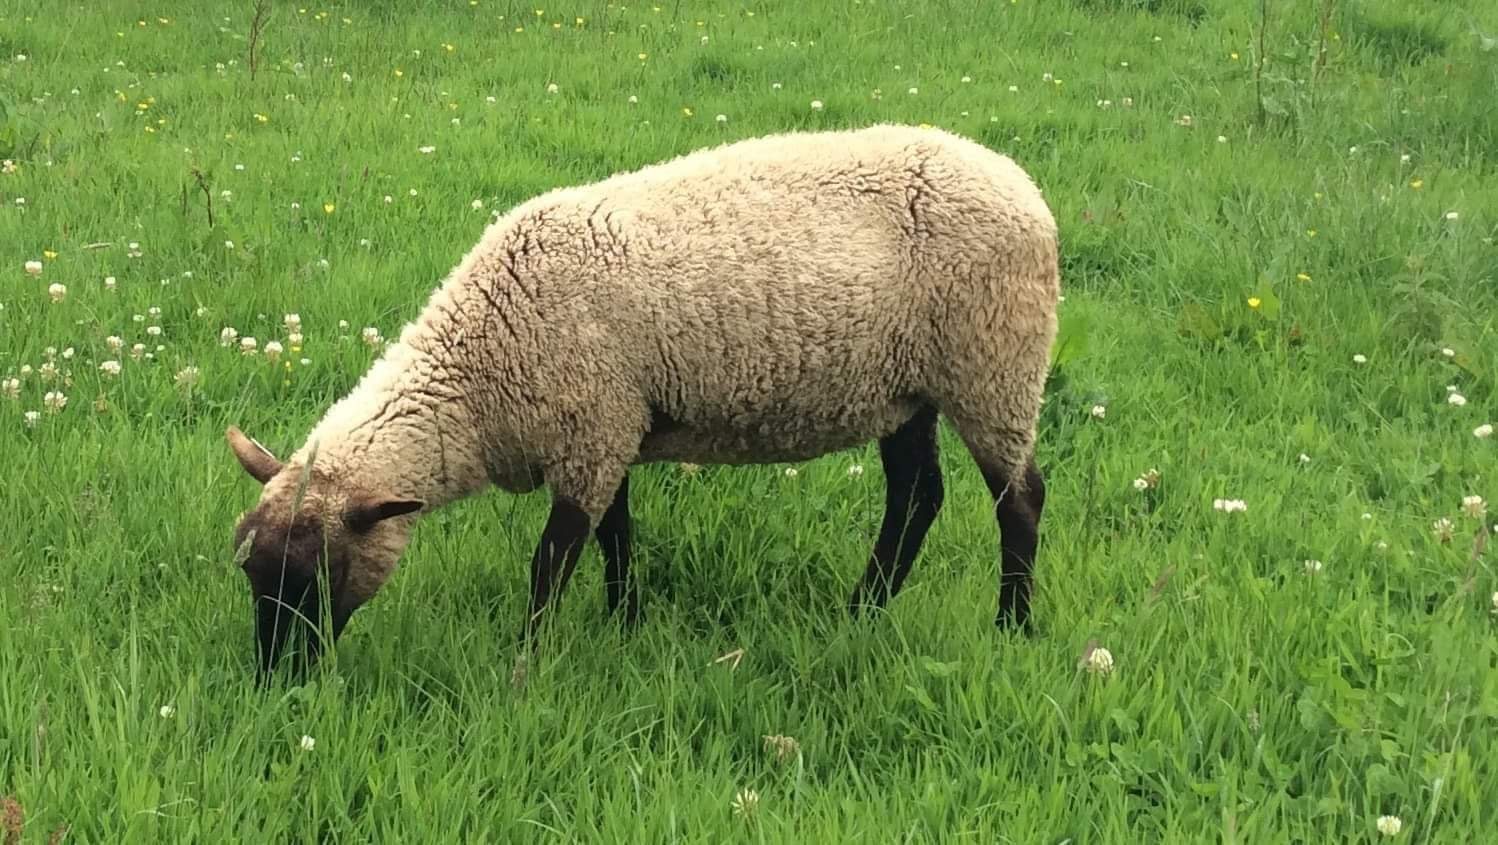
(770, 300)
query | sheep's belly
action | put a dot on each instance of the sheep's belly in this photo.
(770, 440)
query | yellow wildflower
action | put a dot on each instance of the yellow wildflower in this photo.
(1253, 302)
(1417, 184)
(327, 208)
(1303, 277)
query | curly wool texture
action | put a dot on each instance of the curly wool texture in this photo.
(768, 300)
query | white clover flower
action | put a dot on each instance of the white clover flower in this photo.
(294, 340)
(167, 711)
(745, 802)
(1141, 485)
(228, 244)
(476, 205)
(109, 283)
(247, 345)
(187, 377)
(1452, 215)
(67, 354)
(371, 336)
(967, 79)
(633, 99)
(54, 401)
(110, 368)
(855, 471)
(1483, 431)
(552, 88)
(1304, 458)
(8, 166)
(58, 292)
(913, 91)
(1455, 399)
(153, 331)
(1229, 505)
(775, 86)
(31, 418)
(293, 322)
(1100, 661)
(48, 371)
(33, 268)
(11, 387)
(816, 105)
(722, 118)
(273, 350)
(1360, 358)
(343, 325)
(427, 149)
(1099, 411)
(791, 472)
(1448, 352)
(1495, 604)
(1390, 825)
(1443, 529)
(307, 743)
(227, 336)
(783, 746)
(1312, 567)
(138, 351)
(1474, 506)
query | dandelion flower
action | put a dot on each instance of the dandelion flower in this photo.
(110, 368)
(1390, 825)
(1474, 506)
(1483, 431)
(745, 802)
(54, 401)
(307, 743)
(1100, 661)
(57, 291)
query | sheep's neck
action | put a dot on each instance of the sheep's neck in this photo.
(394, 435)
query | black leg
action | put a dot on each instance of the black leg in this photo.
(556, 556)
(912, 498)
(1018, 506)
(613, 534)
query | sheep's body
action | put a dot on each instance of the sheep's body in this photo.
(770, 300)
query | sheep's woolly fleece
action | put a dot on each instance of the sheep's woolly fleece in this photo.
(773, 299)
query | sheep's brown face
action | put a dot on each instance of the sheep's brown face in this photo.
(312, 554)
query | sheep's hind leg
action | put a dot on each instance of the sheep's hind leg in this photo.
(613, 535)
(912, 499)
(1005, 457)
(1019, 499)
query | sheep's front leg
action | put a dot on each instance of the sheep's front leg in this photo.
(556, 556)
(613, 535)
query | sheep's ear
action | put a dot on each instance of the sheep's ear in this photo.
(256, 459)
(364, 512)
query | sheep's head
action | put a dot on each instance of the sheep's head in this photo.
(311, 546)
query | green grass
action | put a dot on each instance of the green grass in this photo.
(1250, 701)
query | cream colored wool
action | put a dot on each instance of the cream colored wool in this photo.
(769, 300)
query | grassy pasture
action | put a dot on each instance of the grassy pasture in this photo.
(1279, 266)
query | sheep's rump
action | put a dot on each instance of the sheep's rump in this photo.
(780, 298)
